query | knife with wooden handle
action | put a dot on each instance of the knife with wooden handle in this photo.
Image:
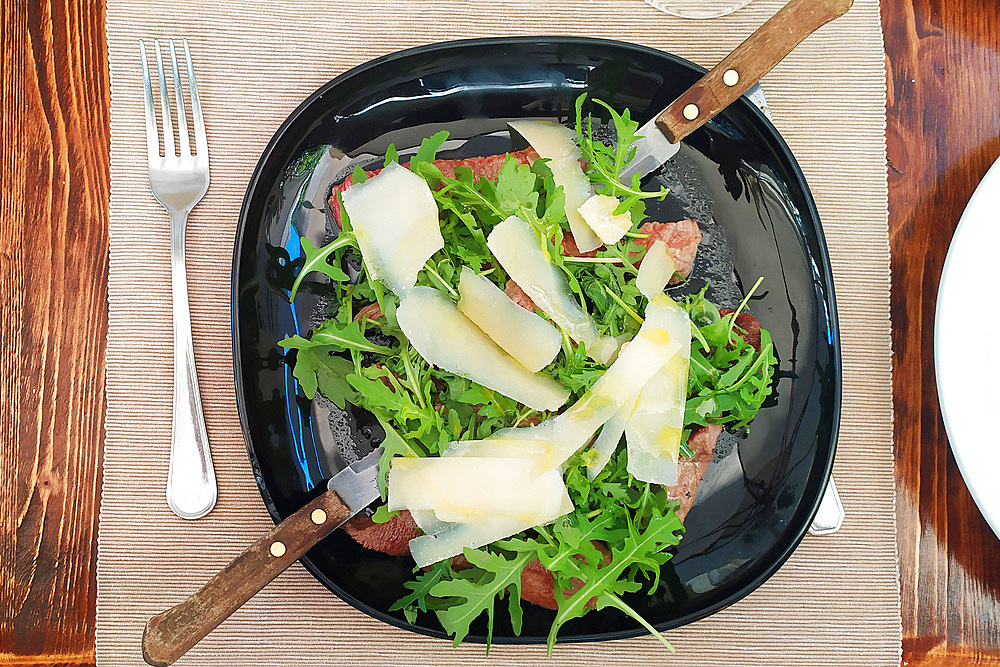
(170, 635)
(734, 75)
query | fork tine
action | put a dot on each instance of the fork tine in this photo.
(168, 128)
(200, 140)
(182, 126)
(152, 138)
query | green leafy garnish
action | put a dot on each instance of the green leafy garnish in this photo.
(643, 545)
(492, 577)
(390, 156)
(605, 163)
(429, 148)
(315, 259)
(336, 336)
(393, 445)
(420, 588)
(621, 531)
(728, 379)
(318, 368)
(388, 399)
(382, 514)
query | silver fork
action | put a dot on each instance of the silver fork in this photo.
(179, 181)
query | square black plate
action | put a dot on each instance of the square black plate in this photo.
(735, 175)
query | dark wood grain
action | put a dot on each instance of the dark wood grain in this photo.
(53, 310)
(943, 134)
(943, 59)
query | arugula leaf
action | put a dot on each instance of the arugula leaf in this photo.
(315, 259)
(728, 380)
(331, 334)
(392, 445)
(390, 155)
(317, 368)
(380, 398)
(577, 534)
(492, 577)
(475, 197)
(602, 581)
(429, 148)
(383, 515)
(605, 163)
(701, 311)
(552, 205)
(515, 190)
(306, 363)
(420, 589)
(490, 403)
(345, 219)
(576, 370)
(358, 175)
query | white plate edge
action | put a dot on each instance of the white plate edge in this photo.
(972, 461)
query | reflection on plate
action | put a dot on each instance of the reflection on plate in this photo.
(735, 176)
(967, 384)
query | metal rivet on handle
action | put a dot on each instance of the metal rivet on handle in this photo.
(277, 549)
(731, 77)
(318, 516)
(691, 111)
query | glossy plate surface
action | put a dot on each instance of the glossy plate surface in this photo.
(967, 387)
(735, 175)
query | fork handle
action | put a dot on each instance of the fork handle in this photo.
(191, 487)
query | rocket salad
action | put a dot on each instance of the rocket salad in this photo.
(574, 412)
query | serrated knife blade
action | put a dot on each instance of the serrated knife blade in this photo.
(357, 484)
(651, 151)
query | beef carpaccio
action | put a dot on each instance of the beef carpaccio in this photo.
(682, 238)
(537, 583)
(487, 167)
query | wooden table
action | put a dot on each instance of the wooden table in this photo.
(943, 133)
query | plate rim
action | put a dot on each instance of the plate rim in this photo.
(825, 271)
(969, 463)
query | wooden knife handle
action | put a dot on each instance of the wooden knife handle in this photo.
(171, 634)
(747, 64)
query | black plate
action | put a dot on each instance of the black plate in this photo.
(760, 493)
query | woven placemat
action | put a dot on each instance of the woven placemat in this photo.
(835, 601)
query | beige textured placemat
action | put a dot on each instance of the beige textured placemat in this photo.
(835, 601)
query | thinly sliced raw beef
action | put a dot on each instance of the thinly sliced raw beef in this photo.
(487, 167)
(392, 537)
(538, 585)
(681, 238)
(748, 327)
(690, 471)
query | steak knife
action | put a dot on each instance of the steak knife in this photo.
(170, 635)
(659, 139)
